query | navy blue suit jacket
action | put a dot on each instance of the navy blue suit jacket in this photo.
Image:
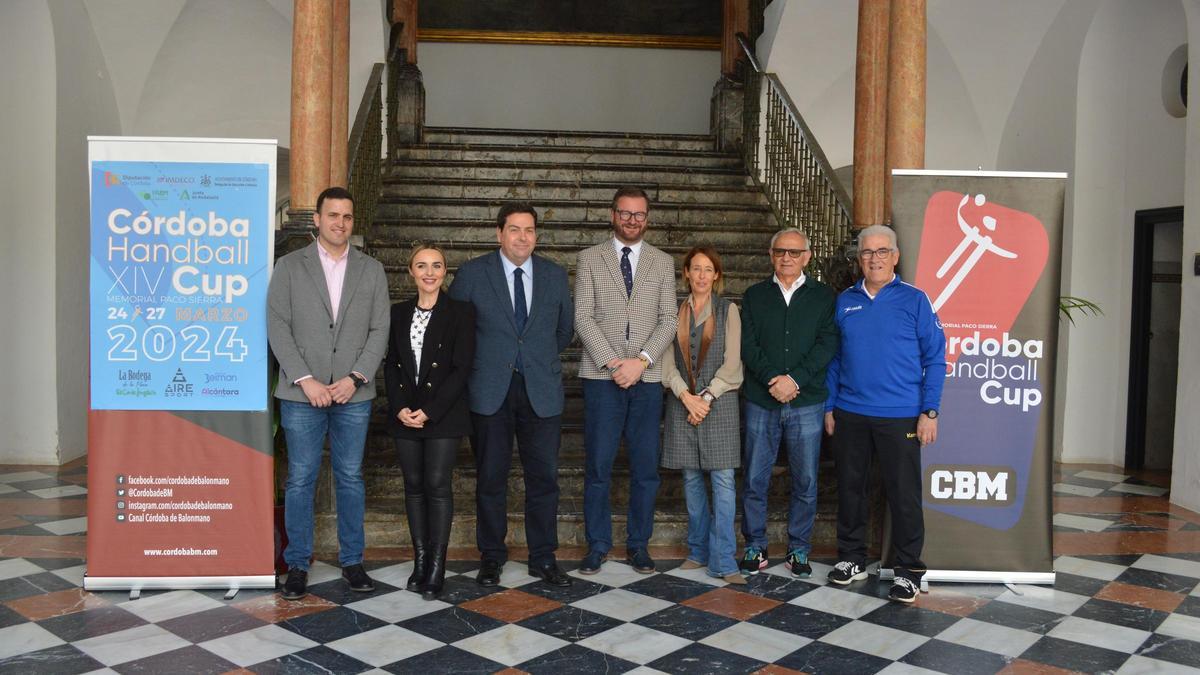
(548, 330)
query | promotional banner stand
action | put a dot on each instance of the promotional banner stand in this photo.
(985, 247)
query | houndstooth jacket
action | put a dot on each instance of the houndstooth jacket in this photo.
(602, 311)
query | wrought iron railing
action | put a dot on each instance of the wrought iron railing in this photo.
(365, 152)
(784, 158)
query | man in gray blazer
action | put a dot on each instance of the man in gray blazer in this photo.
(524, 318)
(328, 328)
(626, 315)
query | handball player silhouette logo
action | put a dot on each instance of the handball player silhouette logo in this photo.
(979, 262)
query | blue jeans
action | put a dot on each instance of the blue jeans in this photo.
(305, 427)
(800, 430)
(710, 539)
(610, 414)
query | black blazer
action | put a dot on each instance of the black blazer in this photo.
(446, 357)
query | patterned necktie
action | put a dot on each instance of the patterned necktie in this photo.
(627, 269)
(521, 312)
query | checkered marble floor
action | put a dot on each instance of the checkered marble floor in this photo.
(1127, 600)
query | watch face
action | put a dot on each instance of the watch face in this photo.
(931, 414)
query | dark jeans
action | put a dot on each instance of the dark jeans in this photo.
(537, 441)
(427, 465)
(893, 441)
(613, 413)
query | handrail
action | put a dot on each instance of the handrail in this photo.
(783, 156)
(366, 144)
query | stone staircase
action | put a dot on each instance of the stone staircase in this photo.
(448, 190)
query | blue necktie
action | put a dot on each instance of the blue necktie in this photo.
(521, 312)
(627, 270)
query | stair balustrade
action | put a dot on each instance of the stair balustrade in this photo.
(365, 152)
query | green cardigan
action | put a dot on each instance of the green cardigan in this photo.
(797, 339)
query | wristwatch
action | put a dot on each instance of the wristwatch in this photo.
(707, 396)
(645, 361)
(359, 382)
(931, 413)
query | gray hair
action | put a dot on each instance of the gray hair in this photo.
(789, 230)
(878, 231)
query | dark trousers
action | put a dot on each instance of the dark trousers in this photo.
(427, 465)
(537, 442)
(893, 442)
(612, 413)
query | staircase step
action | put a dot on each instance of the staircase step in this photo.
(542, 191)
(626, 174)
(568, 155)
(540, 138)
(664, 214)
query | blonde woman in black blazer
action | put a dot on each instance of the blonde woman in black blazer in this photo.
(430, 351)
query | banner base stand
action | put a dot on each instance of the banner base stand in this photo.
(137, 584)
(977, 577)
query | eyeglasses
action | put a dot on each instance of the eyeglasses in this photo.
(635, 216)
(788, 252)
(880, 253)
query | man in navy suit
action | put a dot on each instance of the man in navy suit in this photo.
(524, 319)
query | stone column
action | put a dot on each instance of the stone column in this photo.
(339, 92)
(905, 92)
(870, 112)
(309, 159)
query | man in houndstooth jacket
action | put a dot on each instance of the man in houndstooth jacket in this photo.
(625, 315)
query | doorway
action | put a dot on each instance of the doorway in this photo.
(1154, 338)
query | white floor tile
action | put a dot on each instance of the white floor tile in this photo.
(1180, 626)
(819, 577)
(613, 574)
(23, 476)
(698, 575)
(870, 638)
(319, 573)
(898, 668)
(1039, 597)
(59, 491)
(396, 606)
(756, 642)
(1141, 665)
(72, 574)
(837, 601)
(1168, 565)
(644, 670)
(514, 575)
(1145, 490)
(68, 526)
(1110, 636)
(5, 488)
(393, 575)
(622, 604)
(163, 606)
(989, 637)
(1081, 522)
(1088, 568)
(131, 644)
(635, 643)
(17, 567)
(510, 644)
(384, 645)
(24, 638)
(1102, 475)
(1078, 490)
(258, 645)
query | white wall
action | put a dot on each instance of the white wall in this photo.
(29, 415)
(573, 88)
(1185, 475)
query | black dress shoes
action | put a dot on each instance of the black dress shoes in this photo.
(550, 573)
(357, 578)
(296, 586)
(640, 561)
(489, 574)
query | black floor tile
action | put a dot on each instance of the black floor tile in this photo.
(570, 623)
(1071, 583)
(1190, 606)
(775, 587)
(91, 623)
(685, 622)
(1074, 656)
(911, 619)
(320, 659)
(9, 617)
(55, 563)
(451, 624)
(332, 624)
(818, 658)
(948, 657)
(338, 591)
(800, 621)
(668, 587)
(211, 624)
(190, 660)
(1122, 559)
(60, 660)
(1173, 649)
(576, 659)
(1017, 616)
(1159, 580)
(698, 658)
(578, 590)
(1121, 614)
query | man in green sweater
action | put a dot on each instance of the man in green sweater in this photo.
(788, 337)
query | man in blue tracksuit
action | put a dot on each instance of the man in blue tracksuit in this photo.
(885, 387)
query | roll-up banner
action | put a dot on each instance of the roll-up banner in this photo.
(180, 489)
(986, 248)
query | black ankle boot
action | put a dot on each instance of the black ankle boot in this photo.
(437, 574)
(420, 571)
